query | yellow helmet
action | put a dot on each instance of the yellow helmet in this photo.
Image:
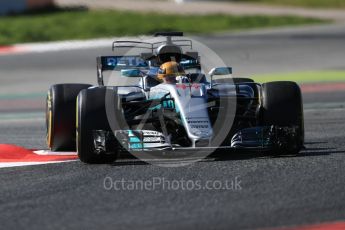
(170, 69)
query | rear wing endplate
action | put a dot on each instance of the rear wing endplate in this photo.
(118, 63)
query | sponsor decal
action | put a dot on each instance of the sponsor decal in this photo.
(181, 86)
(196, 86)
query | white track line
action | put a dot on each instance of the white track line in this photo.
(44, 47)
(51, 153)
(65, 45)
(22, 164)
(55, 46)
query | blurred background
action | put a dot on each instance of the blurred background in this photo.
(43, 42)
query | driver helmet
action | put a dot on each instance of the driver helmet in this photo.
(169, 71)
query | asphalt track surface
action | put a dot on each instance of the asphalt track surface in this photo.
(274, 192)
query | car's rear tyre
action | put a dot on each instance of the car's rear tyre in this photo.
(282, 106)
(91, 116)
(236, 80)
(60, 116)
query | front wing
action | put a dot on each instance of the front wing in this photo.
(252, 139)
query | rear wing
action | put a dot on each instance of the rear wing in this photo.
(150, 46)
(118, 63)
(189, 60)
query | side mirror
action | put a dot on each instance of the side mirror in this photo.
(131, 73)
(219, 71)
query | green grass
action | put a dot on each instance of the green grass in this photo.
(304, 77)
(300, 3)
(95, 24)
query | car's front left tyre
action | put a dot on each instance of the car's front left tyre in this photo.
(92, 116)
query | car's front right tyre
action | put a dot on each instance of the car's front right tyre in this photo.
(282, 105)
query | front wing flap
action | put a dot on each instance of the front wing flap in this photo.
(267, 137)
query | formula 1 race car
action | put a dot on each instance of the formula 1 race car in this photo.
(198, 112)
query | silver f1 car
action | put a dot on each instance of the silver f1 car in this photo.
(200, 112)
